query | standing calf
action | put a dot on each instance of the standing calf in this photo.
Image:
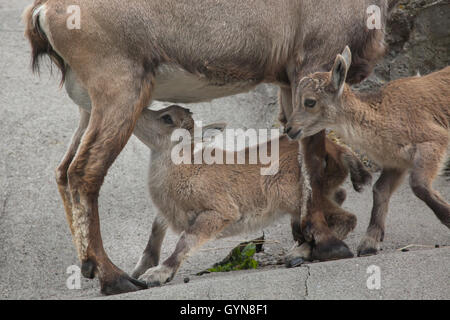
(207, 201)
(403, 127)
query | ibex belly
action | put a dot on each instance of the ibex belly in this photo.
(252, 222)
(174, 84)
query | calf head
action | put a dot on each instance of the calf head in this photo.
(318, 98)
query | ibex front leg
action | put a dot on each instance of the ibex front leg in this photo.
(314, 225)
(116, 105)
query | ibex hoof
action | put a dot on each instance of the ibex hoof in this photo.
(333, 249)
(122, 284)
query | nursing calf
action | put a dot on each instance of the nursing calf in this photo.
(208, 201)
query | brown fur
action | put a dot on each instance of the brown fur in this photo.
(39, 42)
(203, 201)
(403, 127)
(121, 46)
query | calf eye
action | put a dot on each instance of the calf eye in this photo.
(167, 119)
(310, 103)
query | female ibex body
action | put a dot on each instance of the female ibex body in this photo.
(403, 127)
(124, 54)
(208, 201)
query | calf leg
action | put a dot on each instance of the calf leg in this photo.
(383, 189)
(150, 256)
(116, 107)
(207, 226)
(426, 165)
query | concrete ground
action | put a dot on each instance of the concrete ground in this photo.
(36, 123)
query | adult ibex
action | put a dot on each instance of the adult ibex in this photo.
(404, 127)
(208, 201)
(127, 53)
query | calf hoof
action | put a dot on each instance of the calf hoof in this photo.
(88, 269)
(298, 255)
(145, 262)
(368, 247)
(294, 262)
(121, 284)
(333, 249)
(157, 276)
(360, 178)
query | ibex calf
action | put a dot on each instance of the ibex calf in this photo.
(207, 201)
(403, 127)
(127, 53)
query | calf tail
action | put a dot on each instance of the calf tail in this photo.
(40, 45)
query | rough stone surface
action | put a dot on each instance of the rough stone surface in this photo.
(413, 275)
(418, 35)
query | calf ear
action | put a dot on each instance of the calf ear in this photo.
(347, 55)
(339, 74)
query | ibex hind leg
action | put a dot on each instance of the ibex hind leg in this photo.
(116, 105)
(426, 166)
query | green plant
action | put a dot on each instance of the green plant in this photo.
(240, 258)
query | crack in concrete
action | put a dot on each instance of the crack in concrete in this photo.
(306, 281)
(208, 293)
(5, 201)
